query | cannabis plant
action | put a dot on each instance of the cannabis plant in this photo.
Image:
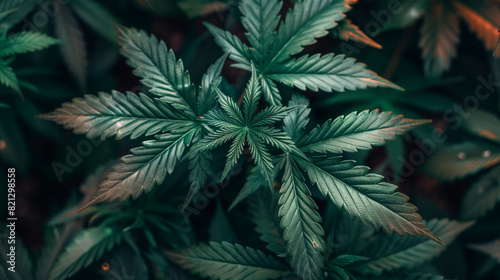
(293, 164)
(440, 28)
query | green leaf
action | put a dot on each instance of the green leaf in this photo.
(327, 73)
(8, 77)
(225, 261)
(260, 18)
(146, 167)
(157, 66)
(484, 124)
(308, 21)
(261, 157)
(24, 42)
(296, 121)
(220, 228)
(253, 182)
(491, 248)
(117, 114)
(96, 17)
(356, 131)
(73, 46)
(264, 214)
(300, 223)
(395, 253)
(440, 33)
(206, 95)
(239, 52)
(230, 108)
(85, 248)
(482, 196)
(459, 160)
(18, 9)
(348, 31)
(363, 195)
(199, 170)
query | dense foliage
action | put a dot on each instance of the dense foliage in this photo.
(256, 139)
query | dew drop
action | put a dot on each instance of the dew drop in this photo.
(487, 153)
(315, 244)
(461, 155)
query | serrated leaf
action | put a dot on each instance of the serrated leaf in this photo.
(300, 223)
(327, 73)
(73, 46)
(459, 160)
(253, 182)
(484, 29)
(116, 114)
(24, 42)
(482, 196)
(7, 77)
(296, 121)
(264, 214)
(199, 169)
(387, 254)
(439, 35)
(364, 196)
(145, 168)
(356, 131)
(87, 247)
(239, 52)
(307, 21)
(270, 91)
(225, 261)
(260, 18)
(491, 248)
(348, 31)
(96, 17)
(206, 95)
(158, 69)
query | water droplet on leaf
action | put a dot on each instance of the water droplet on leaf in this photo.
(461, 155)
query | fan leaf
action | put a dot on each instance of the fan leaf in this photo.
(387, 254)
(157, 66)
(146, 167)
(24, 42)
(364, 196)
(327, 73)
(116, 114)
(264, 210)
(300, 223)
(225, 261)
(356, 131)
